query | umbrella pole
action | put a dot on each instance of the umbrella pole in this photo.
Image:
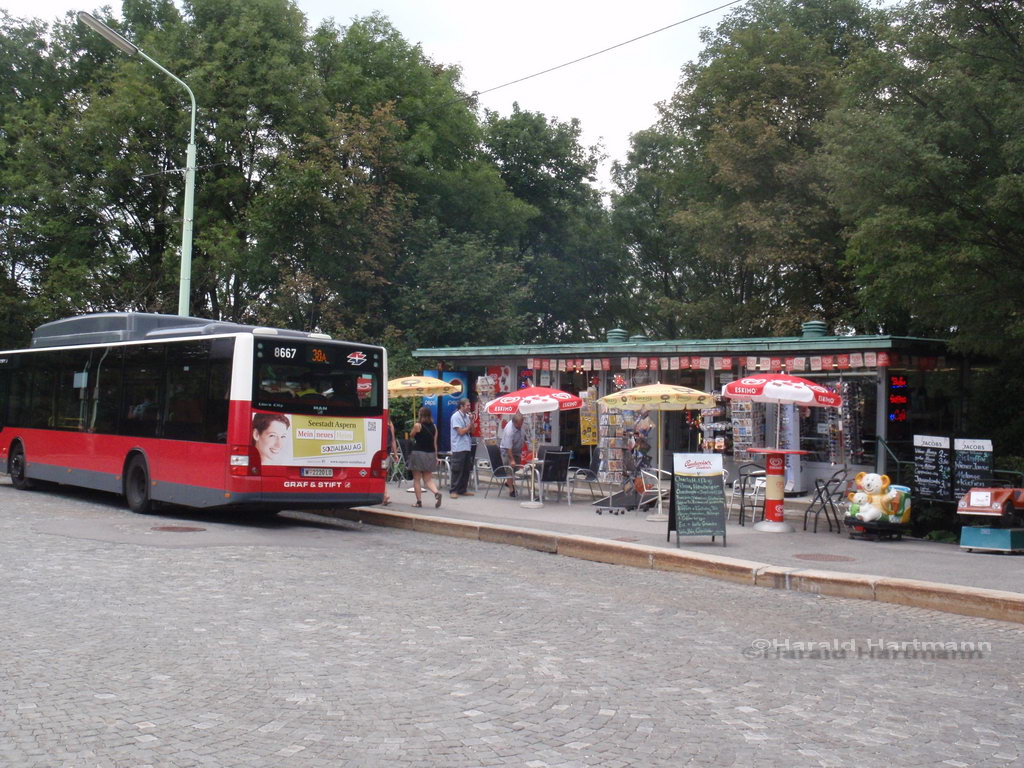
(660, 517)
(533, 503)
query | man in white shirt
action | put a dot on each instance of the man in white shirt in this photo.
(462, 447)
(511, 446)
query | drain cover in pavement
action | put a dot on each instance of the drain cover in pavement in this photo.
(826, 558)
(177, 529)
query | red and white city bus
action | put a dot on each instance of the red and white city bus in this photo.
(195, 412)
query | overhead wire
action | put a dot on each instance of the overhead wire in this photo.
(604, 50)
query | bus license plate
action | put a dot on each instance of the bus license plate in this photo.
(317, 472)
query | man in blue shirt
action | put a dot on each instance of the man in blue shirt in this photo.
(462, 448)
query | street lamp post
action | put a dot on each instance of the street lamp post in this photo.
(123, 44)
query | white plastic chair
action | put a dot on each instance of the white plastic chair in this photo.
(657, 483)
(748, 489)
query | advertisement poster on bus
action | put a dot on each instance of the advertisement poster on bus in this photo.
(285, 439)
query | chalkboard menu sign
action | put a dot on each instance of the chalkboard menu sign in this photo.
(972, 465)
(933, 467)
(698, 496)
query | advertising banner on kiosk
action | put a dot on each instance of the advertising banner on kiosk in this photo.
(430, 401)
(449, 405)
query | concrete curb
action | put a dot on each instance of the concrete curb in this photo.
(949, 598)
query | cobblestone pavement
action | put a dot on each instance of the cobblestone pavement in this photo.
(299, 642)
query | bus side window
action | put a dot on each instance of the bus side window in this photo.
(42, 394)
(143, 377)
(5, 393)
(215, 426)
(104, 391)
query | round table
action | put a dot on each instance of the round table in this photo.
(775, 489)
(532, 466)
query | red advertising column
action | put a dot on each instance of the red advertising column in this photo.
(775, 490)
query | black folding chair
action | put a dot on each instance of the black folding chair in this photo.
(542, 450)
(554, 469)
(827, 493)
(499, 472)
(588, 475)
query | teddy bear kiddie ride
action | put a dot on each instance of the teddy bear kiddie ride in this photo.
(878, 509)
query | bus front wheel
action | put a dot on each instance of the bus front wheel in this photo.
(17, 467)
(136, 486)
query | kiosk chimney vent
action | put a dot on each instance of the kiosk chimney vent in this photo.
(618, 336)
(814, 328)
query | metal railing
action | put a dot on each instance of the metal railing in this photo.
(904, 469)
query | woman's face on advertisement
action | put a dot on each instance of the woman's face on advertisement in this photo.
(270, 442)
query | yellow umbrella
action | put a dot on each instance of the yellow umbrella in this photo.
(421, 386)
(659, 397)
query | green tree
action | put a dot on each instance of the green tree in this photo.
(335, 168)
(464, 290)
(369, 64)
(926, 160)
(28, 81)
(723, 197)
(566, 248)
(332, 222)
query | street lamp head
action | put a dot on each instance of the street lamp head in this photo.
(108, 34)
(131, 49)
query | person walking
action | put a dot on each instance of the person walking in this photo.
(462, 449)
(423, 459)
(511, 446)
(391, 441)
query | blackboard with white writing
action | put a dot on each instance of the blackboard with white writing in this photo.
(933, 467)
(972, 465)
(698, 506)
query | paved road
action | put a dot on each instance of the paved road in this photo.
(298, 642)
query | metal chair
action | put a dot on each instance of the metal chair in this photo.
(827, 493)
(749, 486)
(397, 468)
(553, 469)
(499, 472)
(474, 474)
(589, 475)
(656, 486)
(542, 450)
(404, 449)
(444, 472)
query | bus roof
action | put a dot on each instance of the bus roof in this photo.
(110, 327)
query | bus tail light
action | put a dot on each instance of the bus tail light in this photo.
(377, 465)
(244, 460)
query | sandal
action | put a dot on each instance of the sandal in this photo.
(437, 500)
(418, 504)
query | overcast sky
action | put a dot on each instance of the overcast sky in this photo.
(613, 94)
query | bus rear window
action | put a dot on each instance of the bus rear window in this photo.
(317, 379)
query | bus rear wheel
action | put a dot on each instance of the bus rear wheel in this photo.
(136, 486)
(17, 467)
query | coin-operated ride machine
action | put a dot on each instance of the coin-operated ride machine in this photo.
(995, 520)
